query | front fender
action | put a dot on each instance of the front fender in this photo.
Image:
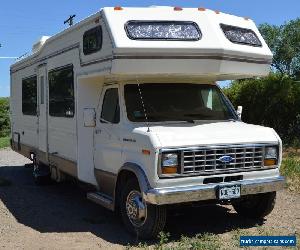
(139, 173)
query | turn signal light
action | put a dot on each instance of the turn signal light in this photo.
(269, 162)
(146, 152)
(169, 170)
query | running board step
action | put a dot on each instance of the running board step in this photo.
(101, 199)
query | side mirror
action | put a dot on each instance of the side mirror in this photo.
(239, 112)
(89, 117)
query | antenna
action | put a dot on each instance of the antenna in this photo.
(143, 105)
(22, 56)
(70, 20)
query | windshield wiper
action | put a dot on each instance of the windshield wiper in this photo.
(164, 118)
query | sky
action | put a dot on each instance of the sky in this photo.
(23, 22)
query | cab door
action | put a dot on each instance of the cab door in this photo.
(107, 140)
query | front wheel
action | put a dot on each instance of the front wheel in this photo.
(141, 219)
(256, 206)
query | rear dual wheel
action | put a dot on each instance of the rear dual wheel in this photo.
(141, 219)
(41, 173)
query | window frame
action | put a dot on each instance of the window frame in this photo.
(163, 22)
(223, 25)
(222, 95)
(98, 31)
(36, 97)
(42, 89)
(73, 84)
(102, 119)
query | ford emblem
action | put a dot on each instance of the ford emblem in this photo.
(225, 159)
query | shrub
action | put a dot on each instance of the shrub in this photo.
(273, 101)
(4, 117)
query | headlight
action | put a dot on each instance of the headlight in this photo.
(169, 163)
(241, 35)
(271, 156)
(271, 153)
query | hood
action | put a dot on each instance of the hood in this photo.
(215, 133)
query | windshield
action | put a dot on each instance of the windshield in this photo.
(176, 102)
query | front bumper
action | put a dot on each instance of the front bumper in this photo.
(173, 195)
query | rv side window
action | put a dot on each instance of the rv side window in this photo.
(110, 107)
(29, 96)
(92, 40)
(61, 92)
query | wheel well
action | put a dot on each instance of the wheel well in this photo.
(123, 176)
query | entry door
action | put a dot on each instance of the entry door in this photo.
(107, 142)
(42, 110)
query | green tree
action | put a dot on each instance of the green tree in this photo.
(284, 42)
(4, 116)
(273, 101)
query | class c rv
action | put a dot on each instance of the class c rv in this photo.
(126, 101)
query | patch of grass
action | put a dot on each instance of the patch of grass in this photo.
(4, 142)
(205, 241)
(290, 168)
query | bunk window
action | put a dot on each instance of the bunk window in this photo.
(92, 40)
(163, 30)
(241, 35)
(29, 96)
(61, 92)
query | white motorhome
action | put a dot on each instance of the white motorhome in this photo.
(126, 101)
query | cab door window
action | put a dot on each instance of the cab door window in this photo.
(110, 107)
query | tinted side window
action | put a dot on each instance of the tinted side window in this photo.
(110, 107)
(61, 92)
(92, 40)
(29, 96)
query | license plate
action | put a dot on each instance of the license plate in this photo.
(229, 192)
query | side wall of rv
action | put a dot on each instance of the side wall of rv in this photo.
(49, 93)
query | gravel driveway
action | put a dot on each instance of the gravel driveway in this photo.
(58, 216)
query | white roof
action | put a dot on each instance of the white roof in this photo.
(212, 56)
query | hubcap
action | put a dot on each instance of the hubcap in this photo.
(136, 208)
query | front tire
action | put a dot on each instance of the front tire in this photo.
(141, 219)
(256, 206)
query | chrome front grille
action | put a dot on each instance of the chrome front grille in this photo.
(207, 160)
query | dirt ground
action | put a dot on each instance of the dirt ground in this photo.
(59, 216)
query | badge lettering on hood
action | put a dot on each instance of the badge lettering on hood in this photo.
(225, 159)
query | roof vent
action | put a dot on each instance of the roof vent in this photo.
(39, 44)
